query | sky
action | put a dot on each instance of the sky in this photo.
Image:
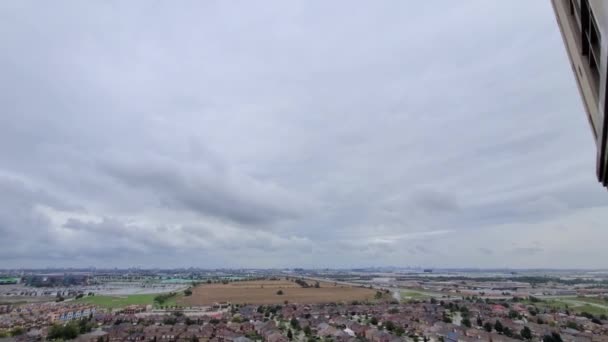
(293, 134)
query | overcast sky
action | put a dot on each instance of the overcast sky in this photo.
(293, 134)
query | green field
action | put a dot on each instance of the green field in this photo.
(592, 300)
(593, 306)
(113, 302)
(590, 305)
(410, 294)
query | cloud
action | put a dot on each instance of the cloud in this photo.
(527, 250)
(213, 191)
(307, 134)
(423, 249)
(485, 251)
(434, 201)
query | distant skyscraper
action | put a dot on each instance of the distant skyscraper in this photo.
(584, 25)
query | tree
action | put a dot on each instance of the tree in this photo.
(603, 317)
(466, 322)
(84, 326)
(479, 322)
(526, 333)
(446, 318)
(295, 324)
(573, 325)
(280, 292)
(289, 335)
(498, 326)
(169, 321)
(390, 326)
(373, 321)
(317, 285)
(188, 292)
(17, 331)
(433, 300)
(488, 326)
(68, 332)
(307, 331)
(554, 337)
(378, 295)
(55, 332)
(399, 331)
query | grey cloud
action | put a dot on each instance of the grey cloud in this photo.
(527, 250)
(218, 194)
(304, 133)
(247, 239)
(435, 201)
(485, 251)
(19, 219)
(423, 249)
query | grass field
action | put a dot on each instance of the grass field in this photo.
(410, 294)
(113, 302)
(593, 306)
(592, 300)
(265, 292)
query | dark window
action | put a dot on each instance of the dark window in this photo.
(585, 28)
(571, 7)
(590, 38)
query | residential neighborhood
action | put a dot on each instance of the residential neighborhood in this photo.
(383, 321)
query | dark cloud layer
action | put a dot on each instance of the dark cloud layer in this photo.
(293, 134)
(216, 193)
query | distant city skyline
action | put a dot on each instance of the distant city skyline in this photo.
(304, 133)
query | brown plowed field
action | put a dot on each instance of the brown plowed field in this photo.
(265, 292)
